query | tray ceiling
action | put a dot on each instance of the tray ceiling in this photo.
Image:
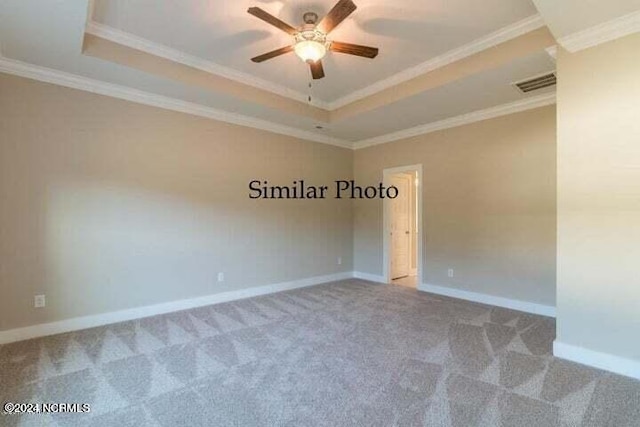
(408, 32)
(438, 59)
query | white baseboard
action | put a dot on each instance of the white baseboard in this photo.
(596, 359)
(369, 277)
(513, 304)
(84, 322)
(91, 321)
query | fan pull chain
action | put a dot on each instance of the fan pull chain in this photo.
(309, 98)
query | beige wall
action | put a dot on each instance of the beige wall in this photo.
(489, 195)
(107, 205)
(599, 198)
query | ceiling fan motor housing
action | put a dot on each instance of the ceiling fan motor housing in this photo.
(310, 18)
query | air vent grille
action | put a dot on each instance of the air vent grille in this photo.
(536, 83)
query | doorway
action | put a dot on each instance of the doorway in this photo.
(402, 227)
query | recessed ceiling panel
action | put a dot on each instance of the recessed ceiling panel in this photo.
(50, 34)
(480, 91)
(407, 32)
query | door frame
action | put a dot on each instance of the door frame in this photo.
(407, 233)
(386, 222)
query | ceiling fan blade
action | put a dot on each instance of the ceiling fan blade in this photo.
(354, 49)
(340, 11)
(317, 71)
(272, 54)
(267, 17)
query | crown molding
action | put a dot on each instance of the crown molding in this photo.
(476, 116)
(504, 34)
(91, 10)
(552, 52)
(48, 75)
(602, 33)
(127, 39)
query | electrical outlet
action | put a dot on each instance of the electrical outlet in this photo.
(39, 301)
(339, 260)
(450, 272)
(220, 277)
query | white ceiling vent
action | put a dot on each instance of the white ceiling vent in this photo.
(535, 83)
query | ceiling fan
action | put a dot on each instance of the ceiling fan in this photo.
(310, 40)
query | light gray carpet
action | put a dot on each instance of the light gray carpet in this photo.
(349, 353)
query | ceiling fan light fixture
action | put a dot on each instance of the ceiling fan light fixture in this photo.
(310, 50)
(310, 42)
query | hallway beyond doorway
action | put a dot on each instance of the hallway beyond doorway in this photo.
(407, 281)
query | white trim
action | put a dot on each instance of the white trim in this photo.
(602, 33)
(476, 116)
(513, 304)
(48, 75)
(504, 34)
(369, 277)
(596, 359)
(91, 10)
(127, 39)
(84, 322)
(386, 217)
(500, 36)
(552, 51)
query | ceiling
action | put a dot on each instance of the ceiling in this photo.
(479, 91)
(407, 32)
(439, 59)
(568, 17)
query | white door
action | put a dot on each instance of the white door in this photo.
(400, 227)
